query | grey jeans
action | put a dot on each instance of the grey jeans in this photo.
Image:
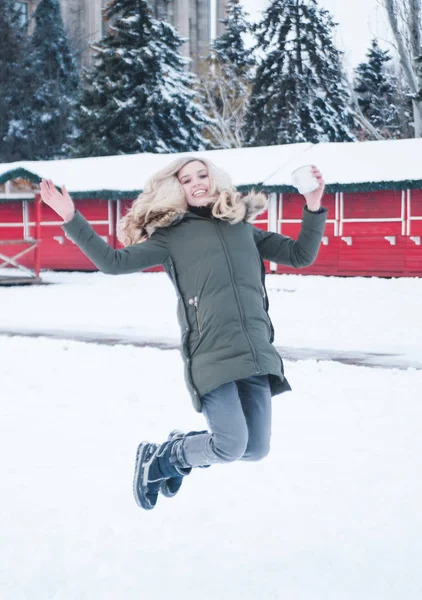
(239, 418)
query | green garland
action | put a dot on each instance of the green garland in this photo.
(15, 173)
(94, 195)
(332, 188)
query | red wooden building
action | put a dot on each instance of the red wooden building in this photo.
(374, 228)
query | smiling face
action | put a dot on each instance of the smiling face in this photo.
(196, 183)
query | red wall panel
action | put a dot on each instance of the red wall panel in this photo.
(292, 205)
(372, 205)
(57, 251)
(372, 254)
(413, 257)
(416, 211)
(11, 213)
(292, 208)
(369, 253)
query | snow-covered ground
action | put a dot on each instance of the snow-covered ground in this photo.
(333, 513)
(325, 313)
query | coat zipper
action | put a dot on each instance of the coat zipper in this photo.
(242, 319)
(184, 346)
(264, 297)
(195, 303)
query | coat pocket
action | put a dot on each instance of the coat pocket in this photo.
(195, 302)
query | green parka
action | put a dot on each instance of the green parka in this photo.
(218, 272)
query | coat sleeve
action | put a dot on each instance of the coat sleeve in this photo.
(294, 253)
(134, 258)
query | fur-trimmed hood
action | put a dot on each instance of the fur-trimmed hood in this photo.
(255, 204)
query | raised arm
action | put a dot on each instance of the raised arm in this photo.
(128, 260)
(303, 251)
(294, 253)
(134, 258)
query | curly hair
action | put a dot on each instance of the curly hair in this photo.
(164, 195)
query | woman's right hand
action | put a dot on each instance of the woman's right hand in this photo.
(62, 204)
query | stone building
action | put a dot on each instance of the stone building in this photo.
(85, 24)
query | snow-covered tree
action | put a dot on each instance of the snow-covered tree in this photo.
(225, 79)
(138, 96)
(48, 80)
(405, 18)
(375, 90)
(12, 50)
(299, 92)
(229, 49)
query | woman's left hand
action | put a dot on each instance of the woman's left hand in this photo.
(313, 199)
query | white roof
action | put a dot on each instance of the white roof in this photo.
(359, 162)
(340, 163)
(247, 166)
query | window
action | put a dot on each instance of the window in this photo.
(23, 11)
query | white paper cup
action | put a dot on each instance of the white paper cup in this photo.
(304, 180)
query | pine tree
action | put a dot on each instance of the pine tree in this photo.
(138, 96)
(225, 80)
(229, 49)
(49, 78)
(376, 89)
(299, 93)
(12, 50)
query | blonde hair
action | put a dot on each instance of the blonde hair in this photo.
(164, 198)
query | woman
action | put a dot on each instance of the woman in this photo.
(192, 221)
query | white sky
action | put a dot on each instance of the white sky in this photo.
(359, 21)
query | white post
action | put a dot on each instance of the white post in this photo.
(280, 214)
(336, 215)
(403, 212)
(25, 220)
(272, 212)
(110, 218)
(272, 221)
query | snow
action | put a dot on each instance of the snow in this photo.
(333, 512)
(360, 162)
(247, 166)
(340, 163)
(353, 314)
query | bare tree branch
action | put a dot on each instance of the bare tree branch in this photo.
(225, 105)
(405, 59)
(405, 21)
(415, 26)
